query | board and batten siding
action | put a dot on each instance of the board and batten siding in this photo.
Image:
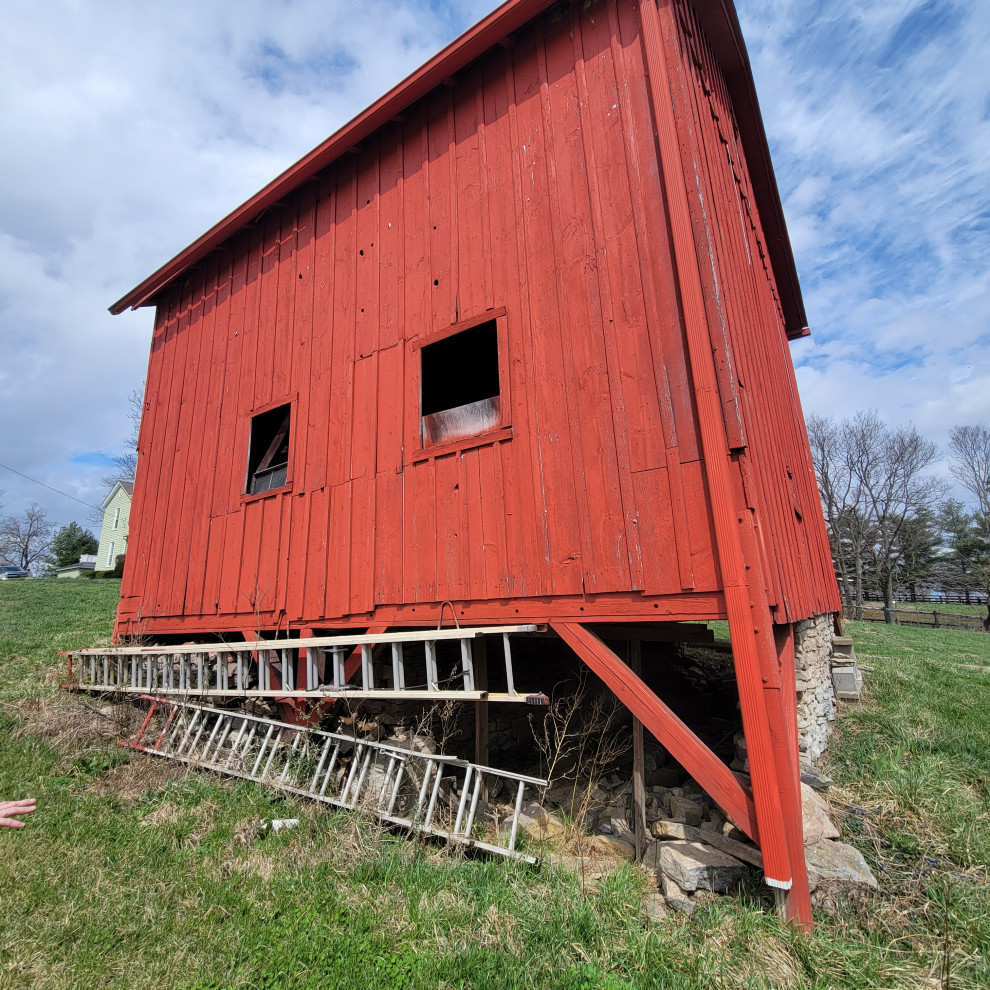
(528, 192)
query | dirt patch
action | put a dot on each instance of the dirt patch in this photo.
(592, 863)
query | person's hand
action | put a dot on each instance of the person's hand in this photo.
(9, 809)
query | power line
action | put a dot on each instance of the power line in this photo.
(49, 487)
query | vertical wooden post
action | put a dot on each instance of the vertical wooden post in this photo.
(639, 759)
(481, 708)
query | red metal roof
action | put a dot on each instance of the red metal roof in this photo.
(722, 29)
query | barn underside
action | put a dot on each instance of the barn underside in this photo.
(304, 677)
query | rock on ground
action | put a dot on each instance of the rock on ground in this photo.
(814, 815)
(678, 830)
(694, 866)
(617, 847)
(654, 906)
(675, 895)
(828, 860)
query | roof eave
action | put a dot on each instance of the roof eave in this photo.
(721, 25)
(718, 17)
(459, 53)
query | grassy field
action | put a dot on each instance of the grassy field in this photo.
(941, 607)
(135, 874)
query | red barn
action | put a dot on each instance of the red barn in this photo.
(515, 338)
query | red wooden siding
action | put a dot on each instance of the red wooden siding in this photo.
(529, 186)
(761, 408)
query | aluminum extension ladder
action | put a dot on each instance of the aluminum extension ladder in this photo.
(301, 668)
(409, 789)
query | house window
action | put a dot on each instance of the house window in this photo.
(459, 385)
(116, 517)
(268, 460)
(109, 560)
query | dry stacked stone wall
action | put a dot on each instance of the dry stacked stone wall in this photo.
(815, 693)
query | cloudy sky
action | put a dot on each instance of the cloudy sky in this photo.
(129, 129)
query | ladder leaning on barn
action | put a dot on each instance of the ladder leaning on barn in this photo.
(313, 668)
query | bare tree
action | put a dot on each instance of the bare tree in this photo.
(125, 464)
(969, 462)
(891, 467)
(26, 538)
(878, 499)
(834, 456)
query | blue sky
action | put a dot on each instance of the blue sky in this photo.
(130, 129)
(879, 122)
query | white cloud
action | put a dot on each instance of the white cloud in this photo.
(878, 124)
(131, 128)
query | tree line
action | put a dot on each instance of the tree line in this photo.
(891, 523)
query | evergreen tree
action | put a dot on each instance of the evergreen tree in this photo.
(70, 543)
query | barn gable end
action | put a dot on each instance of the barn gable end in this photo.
(527, 197)
(514, 342)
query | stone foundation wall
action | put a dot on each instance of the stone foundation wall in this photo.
(815, 693)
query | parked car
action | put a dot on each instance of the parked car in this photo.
(8, 573)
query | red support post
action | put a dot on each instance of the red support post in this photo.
(660, 41)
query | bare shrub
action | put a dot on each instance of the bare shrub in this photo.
(580, 741)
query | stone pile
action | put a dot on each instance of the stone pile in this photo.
(687, 859)
(692, 847)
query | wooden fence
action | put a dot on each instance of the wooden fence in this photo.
(911, 617)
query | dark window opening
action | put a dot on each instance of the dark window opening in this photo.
(268, 461)
(460, 385)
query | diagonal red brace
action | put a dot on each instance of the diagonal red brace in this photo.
(703, 765)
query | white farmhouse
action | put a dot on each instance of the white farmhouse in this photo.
(113, 534)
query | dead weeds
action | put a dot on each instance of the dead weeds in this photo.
(70, 722)
(133, 781)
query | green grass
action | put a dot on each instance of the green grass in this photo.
(133, 874)
(950, 607)
(38, 618)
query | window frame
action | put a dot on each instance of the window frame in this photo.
(246, 494)
(416, 446)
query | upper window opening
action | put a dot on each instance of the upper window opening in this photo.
(268, 462)
(460, 385)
